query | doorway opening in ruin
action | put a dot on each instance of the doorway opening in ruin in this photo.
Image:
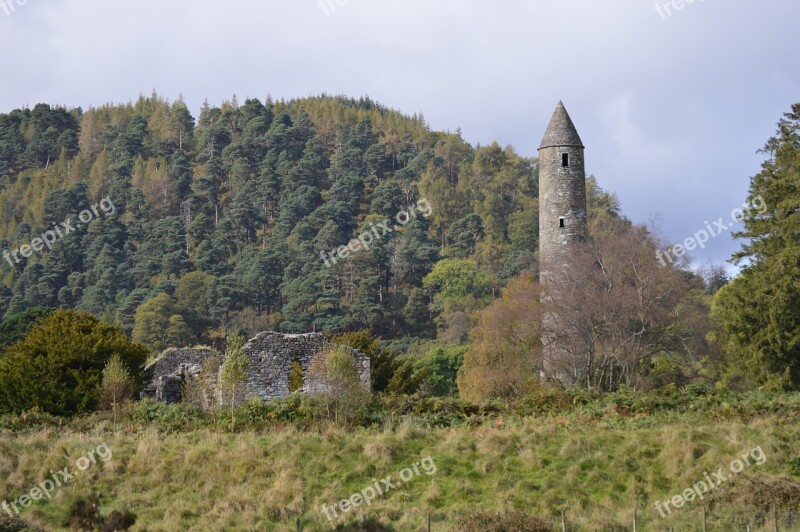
(296, 379)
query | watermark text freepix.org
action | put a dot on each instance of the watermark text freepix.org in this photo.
(712, 481)
(327, 6)
(49, 237)
(379, 487)
(376, 232)
(701, 237)
(665, 10)
(10, 6)
(57, 479)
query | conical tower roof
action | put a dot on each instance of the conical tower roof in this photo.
(561, 131)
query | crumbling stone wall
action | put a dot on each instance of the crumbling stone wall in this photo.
(270, 360)
(172, 370)
(270, 357)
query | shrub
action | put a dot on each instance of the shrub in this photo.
(117, 386)
(433, 373)
(383, 363)
(32, 419)
(233, 372)
(336, 380)
(58, 366)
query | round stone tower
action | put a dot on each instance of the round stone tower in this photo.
(562, 225)
(562, 193)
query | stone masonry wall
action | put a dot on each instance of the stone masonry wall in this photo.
(270, 360)
(270, 357)
(562, 226)
(172, 369)
(562, 193)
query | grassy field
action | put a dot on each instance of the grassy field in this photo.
(595, 459)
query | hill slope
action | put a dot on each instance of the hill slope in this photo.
(230, 214)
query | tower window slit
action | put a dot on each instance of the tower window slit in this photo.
(561, 222)
(565, 160)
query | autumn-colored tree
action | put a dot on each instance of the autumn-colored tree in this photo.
(505, 357)
(616, 316)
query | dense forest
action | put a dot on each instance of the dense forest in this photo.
(180, 230)
(222, 223)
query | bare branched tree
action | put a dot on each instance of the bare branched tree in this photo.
(615, 316)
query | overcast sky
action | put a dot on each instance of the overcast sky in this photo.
(672, 104)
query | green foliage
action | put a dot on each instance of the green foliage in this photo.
(307, 411)
(117, 385)
(190, 297)
(169, 417)
(759, 311)
(29, 419)
(233, 372)
(160, 322)
(455, 278)
(14, 328)
(383, 363)
(336, 379)
(227, 215)
(433, 373)
(58, 366)
(296, 377)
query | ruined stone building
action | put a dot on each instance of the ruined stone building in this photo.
(270, 359)
(271, 355)
(173, 369)
(562, 227)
